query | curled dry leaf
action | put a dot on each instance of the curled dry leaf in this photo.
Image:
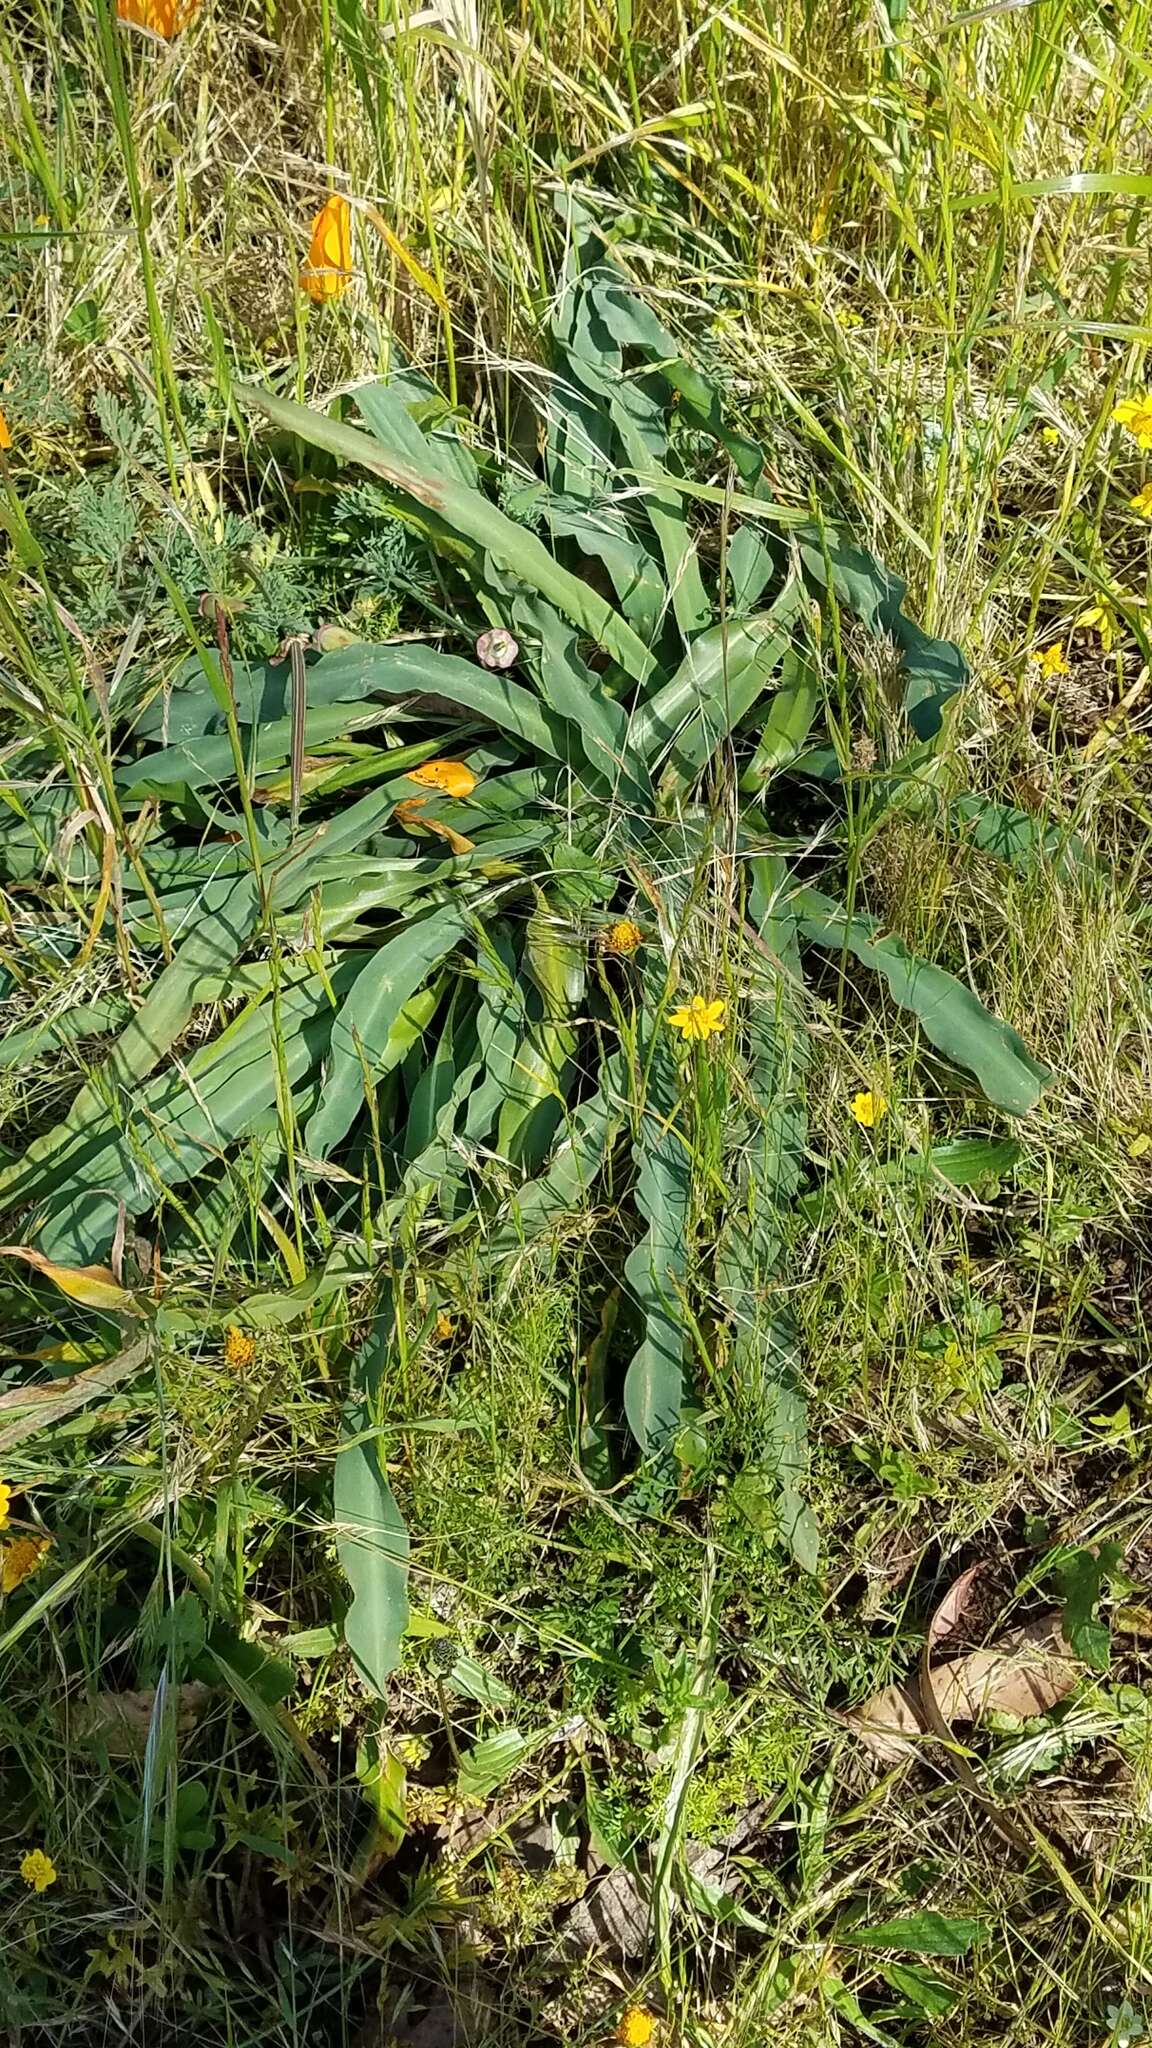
(94, 1286)
(122, 1721)
(410, 815)
(1025, 1673)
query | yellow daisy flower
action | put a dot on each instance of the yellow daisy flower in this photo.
(1135, 416)
(698, 1018)
(239, 1349)
(1142, 502)
(868, 1108)
(38, 1870)
(1050, 660)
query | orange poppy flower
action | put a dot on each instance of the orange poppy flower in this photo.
(5, 433)
(328, 270)
(452, 778)
(165, 18)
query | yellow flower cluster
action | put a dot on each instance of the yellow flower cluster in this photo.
(239, 1349)
(622, 938)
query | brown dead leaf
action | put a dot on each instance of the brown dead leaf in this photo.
(411, 815)
(46, 1404)
(1025, 1673)
(94, 1286)
(953, 1610)
(122, 1721)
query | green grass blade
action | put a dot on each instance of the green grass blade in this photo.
(953, 1018)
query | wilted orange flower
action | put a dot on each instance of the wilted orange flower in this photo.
(239, 1349)
(622, 938)
(20, 1558)
(165, 18)
(451, 778)
(328, 270)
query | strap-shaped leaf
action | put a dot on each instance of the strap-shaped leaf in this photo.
(371, 1539)
(953, 1018)
(228, 914)
(469, 513)
(654, 1271)
(159, 1136)
(933, 670)
(373, 1029)
(717, 683)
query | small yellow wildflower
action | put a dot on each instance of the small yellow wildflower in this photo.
(622, 938)
(1050, 436)
(637, 2028)
(1142, 502)
(38, 1870)
(1050, 660)
(445, 1327)
(868, 1108)
(698, 1018)
(5, 1502)
(1135, 415)
(239, 1349)
(20, 1558)
(1098, 619)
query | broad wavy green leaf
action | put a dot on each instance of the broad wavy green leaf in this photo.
(228, 915)
(469, 513)
(371, 1539)
(953, 1018)
(154, 1138)
(933, 670)
(535, 1102)
(790, 719)
(724, 672)
(377, 1023)
(655, 1268)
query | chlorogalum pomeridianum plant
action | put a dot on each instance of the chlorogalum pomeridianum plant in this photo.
(456, 904)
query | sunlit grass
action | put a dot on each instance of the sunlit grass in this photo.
(914, 245)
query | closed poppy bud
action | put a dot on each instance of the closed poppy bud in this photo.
(5, 433)
(451, 778)
(328, 270)
(163, 18)
(496, 649)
